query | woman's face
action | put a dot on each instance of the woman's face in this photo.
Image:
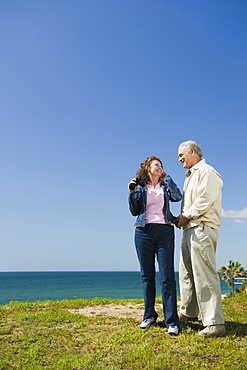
(155, 168)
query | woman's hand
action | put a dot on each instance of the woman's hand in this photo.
(163, 175)
(132, 185)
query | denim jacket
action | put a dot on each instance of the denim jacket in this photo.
(138, 200)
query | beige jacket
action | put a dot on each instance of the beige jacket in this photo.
(202, 196)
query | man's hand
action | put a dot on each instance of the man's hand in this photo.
(181, 221)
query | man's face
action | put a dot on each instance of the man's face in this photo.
(186, 158)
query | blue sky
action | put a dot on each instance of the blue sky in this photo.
(91, 88)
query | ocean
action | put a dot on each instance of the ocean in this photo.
(42, 286)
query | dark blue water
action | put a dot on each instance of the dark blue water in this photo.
(41, 286)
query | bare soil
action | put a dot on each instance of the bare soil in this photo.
(126, 311)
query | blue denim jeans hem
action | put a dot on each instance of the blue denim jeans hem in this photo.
(157, 241)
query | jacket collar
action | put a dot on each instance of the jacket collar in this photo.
(195, 167)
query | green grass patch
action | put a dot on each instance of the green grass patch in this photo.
(46, 335)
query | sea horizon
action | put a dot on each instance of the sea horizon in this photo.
(30, 286)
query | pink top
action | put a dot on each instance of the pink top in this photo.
(155, 205)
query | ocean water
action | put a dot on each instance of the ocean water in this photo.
(41, 286)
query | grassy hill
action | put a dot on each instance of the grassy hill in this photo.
(105, 334)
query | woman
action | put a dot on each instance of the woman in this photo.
(149, 198)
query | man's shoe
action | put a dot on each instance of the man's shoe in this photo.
(182, 317)
(213, 331)
(151, 321)
(173, 330)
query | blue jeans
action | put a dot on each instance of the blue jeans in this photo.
(150, 241)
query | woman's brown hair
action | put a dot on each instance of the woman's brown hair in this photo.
(143, 170)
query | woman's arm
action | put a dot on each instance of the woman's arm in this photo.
(136, 201)
(174, 192)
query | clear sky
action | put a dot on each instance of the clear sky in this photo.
(91, 88)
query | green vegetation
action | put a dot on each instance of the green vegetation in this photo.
(46, 335)
(243, 288)
(233, 271)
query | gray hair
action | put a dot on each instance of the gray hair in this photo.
(190, 144)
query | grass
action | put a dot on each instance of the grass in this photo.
(45, 335)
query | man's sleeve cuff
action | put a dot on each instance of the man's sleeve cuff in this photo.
(187, 215)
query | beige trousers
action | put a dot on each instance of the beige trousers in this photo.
(198, 278)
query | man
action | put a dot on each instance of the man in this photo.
(200, 219)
